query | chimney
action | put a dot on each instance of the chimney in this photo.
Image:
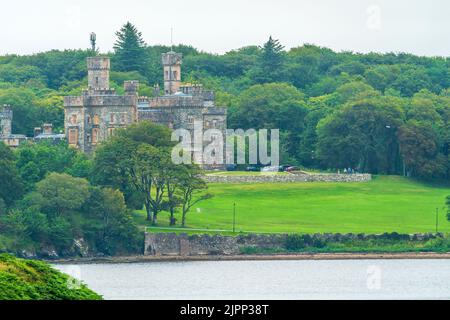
(37, 131)
(131, 87)
(48, 128)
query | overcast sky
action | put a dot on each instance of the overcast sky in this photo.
(420, 27)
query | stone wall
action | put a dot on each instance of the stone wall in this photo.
(203, 244)
(264, 178)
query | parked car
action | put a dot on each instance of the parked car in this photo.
(271, 169)
(231, 167)
(252, 168)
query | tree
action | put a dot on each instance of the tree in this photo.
(136, 158)
(173, 175)
(270, 64)
(35, 160)
(11, 185)
(362, 135)
(60, 194)
(419, 149)
(107, 222)
(146, 175)
(272, 106)
(191, 187)
(130, 52)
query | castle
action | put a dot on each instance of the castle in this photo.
(93, 116)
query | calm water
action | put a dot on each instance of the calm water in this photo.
(334, 279)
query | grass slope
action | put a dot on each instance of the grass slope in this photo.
(386, 204)
(22, 279)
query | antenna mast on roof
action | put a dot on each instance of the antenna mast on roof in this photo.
(93, 38)
(171, 38)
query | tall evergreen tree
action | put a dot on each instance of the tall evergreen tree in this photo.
(272, 53)
(130, 49)
(270, 67)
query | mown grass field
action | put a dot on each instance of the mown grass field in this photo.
(386, 204)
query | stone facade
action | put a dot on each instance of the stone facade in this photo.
(93, 116)
(283, 178)
(186, 106)
(171, 244)
(6, 135)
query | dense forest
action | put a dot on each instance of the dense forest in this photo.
(379, 113)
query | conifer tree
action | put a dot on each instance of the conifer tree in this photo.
(270, 67)
(130, 49)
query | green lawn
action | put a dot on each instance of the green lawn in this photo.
(386, 204)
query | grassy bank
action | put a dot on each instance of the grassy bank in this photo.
(385, 204)
(35, 280)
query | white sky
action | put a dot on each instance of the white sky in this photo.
(416, 26)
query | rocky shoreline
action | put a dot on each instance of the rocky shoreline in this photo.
(296, 256)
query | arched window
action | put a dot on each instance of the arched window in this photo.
(96, 119)
(73, 136)
(95, 135)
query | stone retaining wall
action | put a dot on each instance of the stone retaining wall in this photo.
(280, 178)
(171, 244)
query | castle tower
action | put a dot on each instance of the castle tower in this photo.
(95, 115)
(5, 121)
(172, 71)
(98, 72)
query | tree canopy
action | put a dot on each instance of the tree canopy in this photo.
(298, 90)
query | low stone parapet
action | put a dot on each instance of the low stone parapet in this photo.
(282, 178)
(172, 244)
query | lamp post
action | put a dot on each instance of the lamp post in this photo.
(234, 217)
(437, 219)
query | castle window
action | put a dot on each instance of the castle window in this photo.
(73, 119)
(123, 118)
(95, 135)
(73, 136)
(175, 75)
(214, 123)
(88, 119)
(111, 118)
(111, 132)
(190, 119)
(96, 119)
(96, 81)
(167, 74)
